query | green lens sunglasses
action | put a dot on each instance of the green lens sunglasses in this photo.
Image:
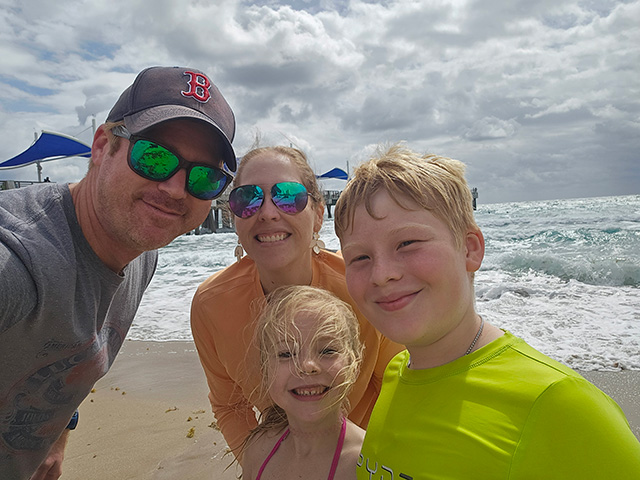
(154, 162)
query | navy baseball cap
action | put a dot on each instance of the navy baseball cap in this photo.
(159, 94)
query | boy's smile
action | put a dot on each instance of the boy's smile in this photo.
(396, 302)
(408, 277)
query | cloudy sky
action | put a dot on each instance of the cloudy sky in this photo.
(541, 99)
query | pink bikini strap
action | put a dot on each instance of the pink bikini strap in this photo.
(336, 455)
(273, 451)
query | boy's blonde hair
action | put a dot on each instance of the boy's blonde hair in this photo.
(276, 325)
(435, 183)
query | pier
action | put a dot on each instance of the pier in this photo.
(220, 218)
(330, 199)
(11, 184)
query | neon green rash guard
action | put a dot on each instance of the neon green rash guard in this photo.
(506, 411)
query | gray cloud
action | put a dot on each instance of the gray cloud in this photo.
(540, 99)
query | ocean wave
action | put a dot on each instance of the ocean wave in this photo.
(603, 270)
(563, 275)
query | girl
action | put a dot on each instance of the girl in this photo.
(310, 353)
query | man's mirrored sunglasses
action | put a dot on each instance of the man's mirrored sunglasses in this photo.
(154, 162)
(289, 197)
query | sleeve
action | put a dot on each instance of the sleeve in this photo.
(387, 351)
(18, 294)
(575, 430)
(234, 414)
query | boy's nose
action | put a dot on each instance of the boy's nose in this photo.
(384, 271)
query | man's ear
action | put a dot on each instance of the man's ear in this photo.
(100, 146)
(474, 247)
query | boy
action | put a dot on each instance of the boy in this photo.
(466, 399)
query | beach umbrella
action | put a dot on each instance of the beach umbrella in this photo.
(334, 173)
(49, 146)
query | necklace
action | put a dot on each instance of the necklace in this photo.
(473, 344)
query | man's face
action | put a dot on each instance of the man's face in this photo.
(139, 214)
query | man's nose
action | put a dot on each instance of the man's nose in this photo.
(175, 186)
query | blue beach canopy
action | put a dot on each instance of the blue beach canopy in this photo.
(335, 173)
(49, 146)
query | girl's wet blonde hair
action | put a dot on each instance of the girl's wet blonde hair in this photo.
(434, 183)
(277, 326)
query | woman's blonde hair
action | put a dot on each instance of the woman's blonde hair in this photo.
(277, 325)
(435, 183)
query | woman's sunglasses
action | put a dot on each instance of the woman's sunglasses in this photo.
(290, 197)
(155, 162)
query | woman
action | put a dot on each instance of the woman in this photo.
(279, 211)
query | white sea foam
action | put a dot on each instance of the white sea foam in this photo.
(564, 275)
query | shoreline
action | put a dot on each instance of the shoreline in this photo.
(149, 418)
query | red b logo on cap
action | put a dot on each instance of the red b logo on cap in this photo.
(199, 86)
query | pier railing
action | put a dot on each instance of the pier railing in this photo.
(11, 184)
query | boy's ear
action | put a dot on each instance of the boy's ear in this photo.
(474, 246)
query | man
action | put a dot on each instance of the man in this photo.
(76, 259)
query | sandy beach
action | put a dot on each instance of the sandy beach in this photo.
(149, 418)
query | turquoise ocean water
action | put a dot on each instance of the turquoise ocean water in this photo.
(562, 274)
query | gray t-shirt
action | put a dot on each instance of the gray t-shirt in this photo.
(63, 318)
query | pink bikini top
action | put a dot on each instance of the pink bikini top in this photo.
(336, 455)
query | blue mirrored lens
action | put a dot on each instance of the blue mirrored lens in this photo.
(290, 197)
(246, 200)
